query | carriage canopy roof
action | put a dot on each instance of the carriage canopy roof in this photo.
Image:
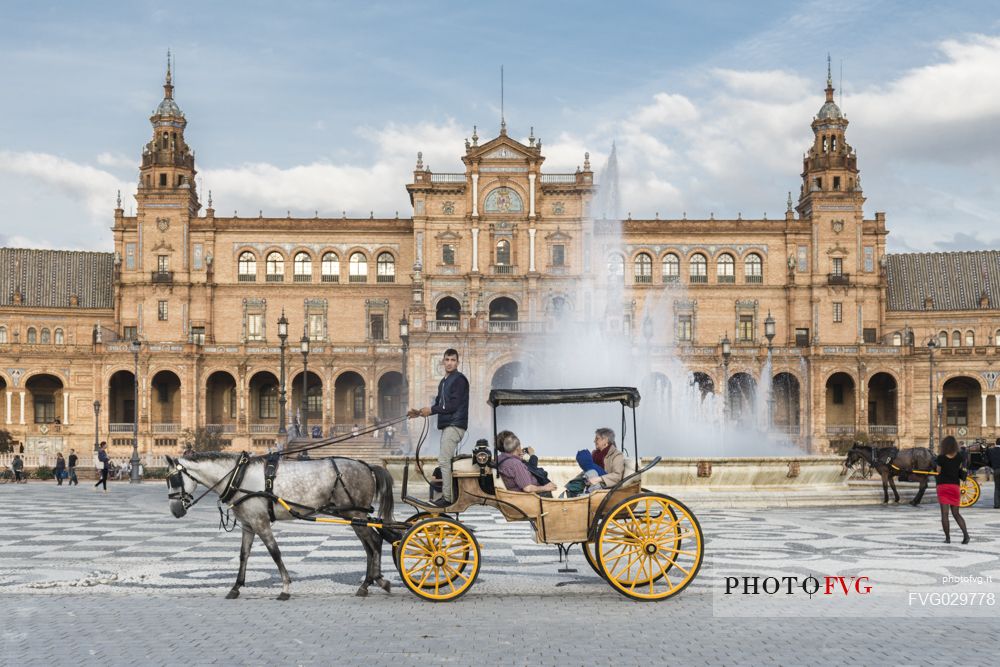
(627, 396)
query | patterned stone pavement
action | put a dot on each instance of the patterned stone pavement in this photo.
(86, 570)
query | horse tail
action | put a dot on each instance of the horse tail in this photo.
(384, 490)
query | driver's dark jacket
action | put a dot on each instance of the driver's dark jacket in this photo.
(451, 404)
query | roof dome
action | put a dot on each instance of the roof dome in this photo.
(168, 108)
(829, 111)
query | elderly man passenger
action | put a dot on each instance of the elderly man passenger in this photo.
(514, 471)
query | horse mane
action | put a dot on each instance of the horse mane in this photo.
(212, 456)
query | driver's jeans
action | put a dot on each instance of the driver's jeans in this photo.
(451, 436)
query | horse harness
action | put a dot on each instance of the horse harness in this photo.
(234, 480)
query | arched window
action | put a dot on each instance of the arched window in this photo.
(303, 268)
(275, 266)
(956, 339)
(943, 339)
(267, 402)
(46, 337)
(970, 338)
(331, 268)
(385, 268)
(32, 336)
(753, 268)
(358, 268)
(671, 268)
(503, 252)
(59, 338)
(3, 336)
(897, 339)
(699, 268)
(725, 268)
(247, 267)
(643, 267)
(448, 254)
(616, 268)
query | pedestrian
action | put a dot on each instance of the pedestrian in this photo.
(949, 479)
(71, 470)
(188, 451)
(355, 430)
(387, 436)
(103, 465)
(451, 405)
(17, 465)
(60, 470)
(993, 456)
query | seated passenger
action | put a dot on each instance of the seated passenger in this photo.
(607, 456)
(516, 474)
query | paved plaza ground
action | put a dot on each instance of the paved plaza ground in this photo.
(88, 578)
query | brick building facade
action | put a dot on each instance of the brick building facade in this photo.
(491, 259)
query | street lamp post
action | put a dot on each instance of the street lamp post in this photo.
(931, 345)
(727, 351)
(134, 475)
(97, 425)
(769, 334)
(404, 336)
(283, 337)
(305, 382)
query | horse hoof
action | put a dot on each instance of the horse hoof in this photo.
(385, 585)
(284, 596)
(915, 504)
(233, 594)
(362, 592)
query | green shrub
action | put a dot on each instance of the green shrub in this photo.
(154, 473)
(43, 472)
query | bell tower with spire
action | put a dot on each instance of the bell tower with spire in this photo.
(158, 257)
(838, 261)
(167, 162)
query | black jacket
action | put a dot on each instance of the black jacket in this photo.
(993, 456)
(451, 404)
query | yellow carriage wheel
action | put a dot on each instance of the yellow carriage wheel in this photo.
(589, 549)
(438, 559)
(970, 492)
(650, 547)
(412, 521)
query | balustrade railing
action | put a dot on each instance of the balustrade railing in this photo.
(221, 428)
(120, 427)
(166, 428)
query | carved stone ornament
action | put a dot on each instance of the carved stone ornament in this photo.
(558, 208)
(448, 208)
(163, 224)
(838, 226)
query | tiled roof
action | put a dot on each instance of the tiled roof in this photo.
(48, 278)
(953, 280)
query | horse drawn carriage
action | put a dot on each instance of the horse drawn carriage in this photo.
(646, 545)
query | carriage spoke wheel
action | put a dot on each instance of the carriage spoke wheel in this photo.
(591, 556)
(412, 521)
(970, 492)
(650, 547)
(438, 559)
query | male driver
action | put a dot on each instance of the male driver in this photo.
(451, 405)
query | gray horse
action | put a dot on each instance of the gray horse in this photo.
(346, 488)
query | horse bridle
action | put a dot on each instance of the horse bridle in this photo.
(176, 481)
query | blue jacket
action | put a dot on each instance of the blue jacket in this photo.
(586, 461)
(102, 456)
(451, 404)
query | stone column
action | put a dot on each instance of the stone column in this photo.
(475, 195)
(475, 249)
(531, 248)
(531, 196)
(7, 394)
(65, 417)
(996, 407)
(983, 395)
(22, 407)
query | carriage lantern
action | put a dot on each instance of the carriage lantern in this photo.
(481, 454)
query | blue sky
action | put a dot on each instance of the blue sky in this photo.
(307, 106)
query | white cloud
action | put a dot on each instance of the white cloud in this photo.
(666, 109)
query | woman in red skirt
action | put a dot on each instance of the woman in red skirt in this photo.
(949, 478)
